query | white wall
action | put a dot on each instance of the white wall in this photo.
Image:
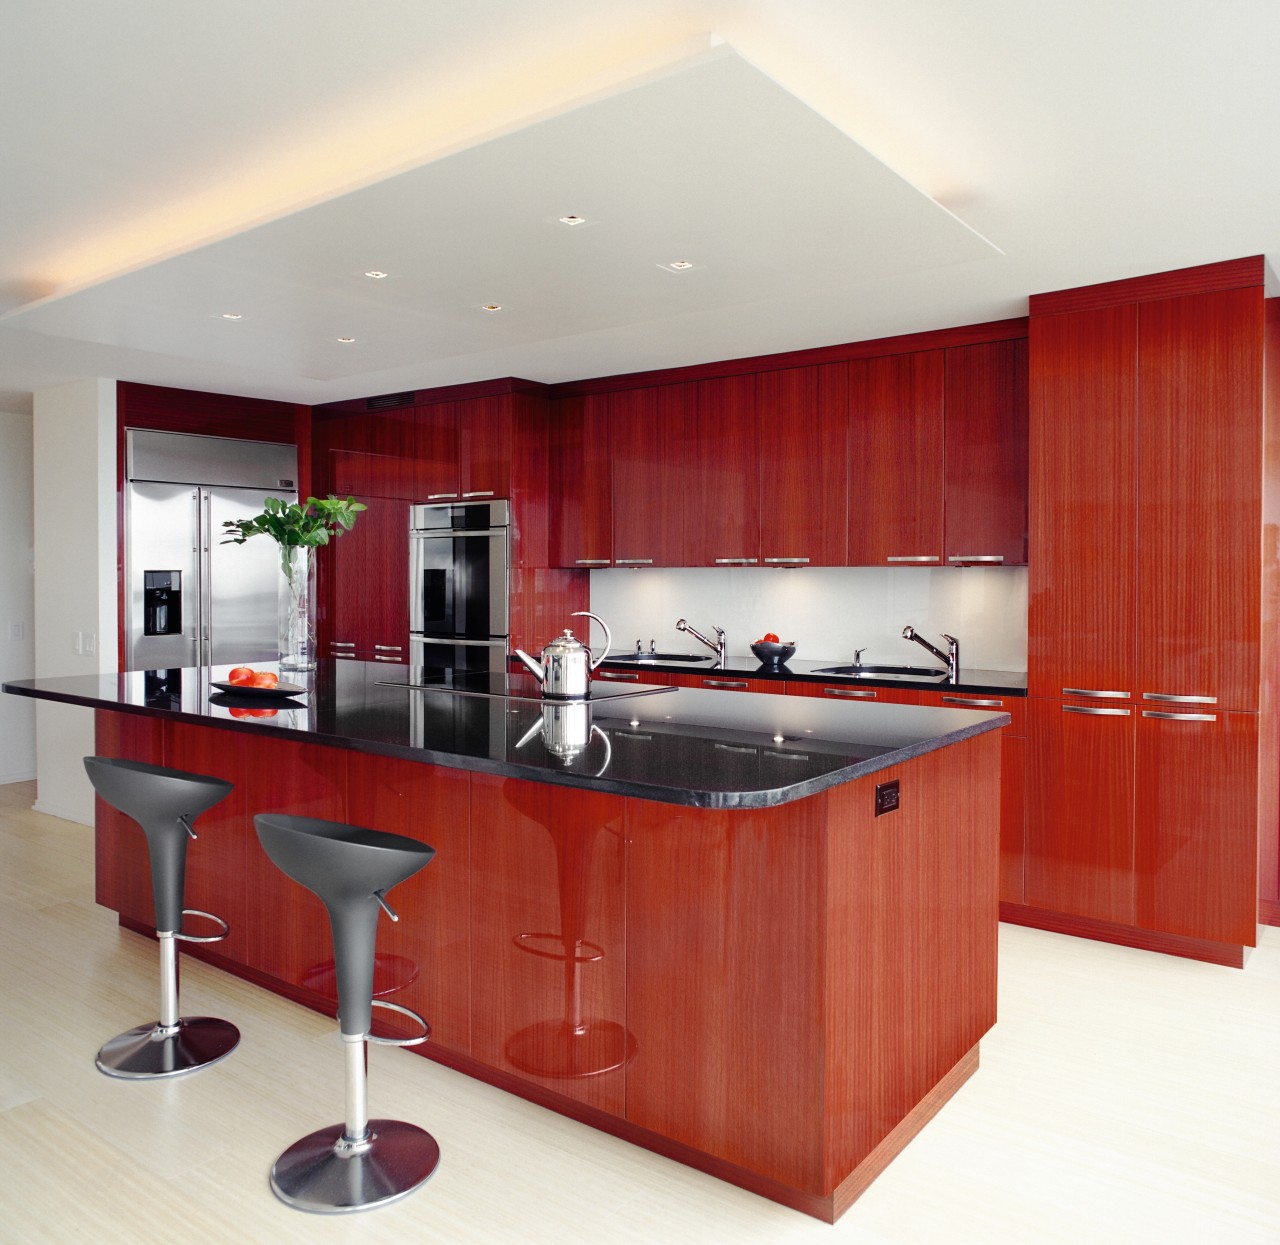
(17, 621)
(75, 576)
(827, 611)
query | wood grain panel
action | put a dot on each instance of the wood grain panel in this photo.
(485, 438)
(1200, 490)
(436, 450)
(1196, 834)
(649, 439)
(581, 484)
(548, 937)
(1013, 816)
(1227, 275)
(804, 464)
(1083, 462)
(896, 458)
(423, 960)
(722, 502)
(724, 982)
(1080, 794)
(985, 485)
(726, 682)
(1269, 685)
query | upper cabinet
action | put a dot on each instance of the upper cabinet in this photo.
(896, 459)
(722, 499)
(581, 483)
(985, 454)
(650, 432)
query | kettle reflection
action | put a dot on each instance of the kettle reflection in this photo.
(566, 729)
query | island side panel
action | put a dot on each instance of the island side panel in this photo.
(122, 872)
(724, 982)
(912, 921)
(548, 937)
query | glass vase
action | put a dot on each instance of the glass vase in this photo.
(297, 608)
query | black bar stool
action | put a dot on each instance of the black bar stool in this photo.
(164, 802)
(362, 1163)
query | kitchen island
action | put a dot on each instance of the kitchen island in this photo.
(755, 934)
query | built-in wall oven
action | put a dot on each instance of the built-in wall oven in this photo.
(459, 612)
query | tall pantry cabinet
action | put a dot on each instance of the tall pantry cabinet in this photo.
(1151, 764)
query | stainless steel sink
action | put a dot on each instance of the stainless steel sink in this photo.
(918, 674)
(655, 657)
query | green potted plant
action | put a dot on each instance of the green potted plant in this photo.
(299, 530)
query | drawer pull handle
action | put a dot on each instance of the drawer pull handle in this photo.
(1179, 717)
(976, 557)
(850, 693)
(1096, 712)
(389, 648)
(480, 492)
(735, 561)
(785, 561)
(591, 562)
(633, 561)
(441, 496)
(723, 683)
(384, 657)
(1180, 700)
(1084, 691)
(617, 674)
(928, 558)
(968, 700)
(733, 748)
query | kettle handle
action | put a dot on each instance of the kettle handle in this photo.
(608, 637)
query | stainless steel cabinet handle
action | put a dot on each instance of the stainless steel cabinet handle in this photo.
(1180, 717)
(1180, 700)
(928, 558)
(389, 648)
(465, 643)
(616, 674)
(736, 561)
(1085, 691)
(976, 557)
(591, 561)
(1096, 712)
(851, 693)
(441, 496)
(734, 748)
(729, 683)
(969, 700)
(482, 492)
(381, 657)
(342, 644)
(633, 561)
(785, 561)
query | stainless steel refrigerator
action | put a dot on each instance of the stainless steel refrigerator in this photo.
(190, 600)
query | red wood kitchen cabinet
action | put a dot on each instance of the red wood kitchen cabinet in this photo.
(851, 691)
(467, 446)
(803, 415)
(985, 478)
(724, 682)
(650, 434)
(436, 449)
(722, 502)
(896, 459)
(369, 569)
(581, 483)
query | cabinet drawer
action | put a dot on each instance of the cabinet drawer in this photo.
(858, 694)
(728, 683)
(1014, 706)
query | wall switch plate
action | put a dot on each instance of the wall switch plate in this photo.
(16, 631)
(887, 797)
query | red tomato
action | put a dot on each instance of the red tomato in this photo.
(240, 674)
(264, 678)
(253, 713)
(770, 637)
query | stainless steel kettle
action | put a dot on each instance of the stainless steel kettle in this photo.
(565, 665)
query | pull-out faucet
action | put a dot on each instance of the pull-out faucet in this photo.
(716, 645)
(951, 657)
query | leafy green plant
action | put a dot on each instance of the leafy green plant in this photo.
(291, 525)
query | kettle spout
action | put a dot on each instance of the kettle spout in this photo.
(535, 667)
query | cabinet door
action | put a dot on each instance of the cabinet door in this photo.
(485, 435)
(581, 484)
(649, 434)
(351, 571)
(386, 578)
(985, 489)
(722, 504)
(436, 451)
(804, 465)
(854, 692)
(896, 460)
(1200, 482)
(1197, 870)
(1080, 788)
(1083, 455)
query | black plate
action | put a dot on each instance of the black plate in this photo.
(271, 693)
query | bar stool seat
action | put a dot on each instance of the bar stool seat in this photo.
(361, 1163)
(164, 803)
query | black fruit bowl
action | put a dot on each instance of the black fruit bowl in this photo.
(772, 655)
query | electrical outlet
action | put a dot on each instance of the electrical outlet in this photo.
(89, 645)
(77, 642)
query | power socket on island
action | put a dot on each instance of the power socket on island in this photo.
(887, 797)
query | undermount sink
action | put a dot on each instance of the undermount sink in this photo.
(917, 673)
(656, 657)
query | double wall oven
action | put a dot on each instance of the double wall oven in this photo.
(459, 613)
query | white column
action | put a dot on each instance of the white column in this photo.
(17, 623)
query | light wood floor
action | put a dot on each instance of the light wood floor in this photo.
(1123, 1097)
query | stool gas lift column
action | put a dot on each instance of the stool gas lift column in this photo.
(361, 1163)
(164, 802)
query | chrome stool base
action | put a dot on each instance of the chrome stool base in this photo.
(324, 1174)
(150, 1051)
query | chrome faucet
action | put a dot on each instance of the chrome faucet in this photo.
(857, 657)
(716, 645)
(951, 657)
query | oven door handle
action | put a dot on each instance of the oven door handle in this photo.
(440, 639)
(448, 533)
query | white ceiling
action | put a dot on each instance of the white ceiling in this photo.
(834, 169)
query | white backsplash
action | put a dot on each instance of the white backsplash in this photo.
(827, 611)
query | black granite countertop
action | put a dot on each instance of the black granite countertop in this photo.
(798, 670)
(674, 745)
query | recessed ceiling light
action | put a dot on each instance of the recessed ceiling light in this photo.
(490, 306)
(346, 340)
(573, 220)
(680, 265)
(232, 315)
(375, 274)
